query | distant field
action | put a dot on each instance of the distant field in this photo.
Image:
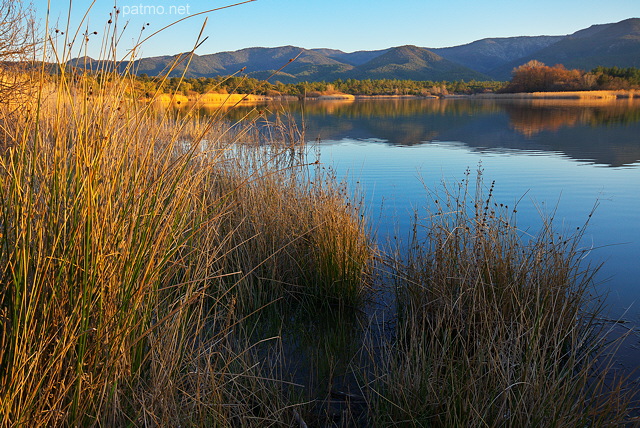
(230, 99)
(569, 95)
(210, 98)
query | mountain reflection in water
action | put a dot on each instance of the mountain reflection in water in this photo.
(559, 156)
(603, 132)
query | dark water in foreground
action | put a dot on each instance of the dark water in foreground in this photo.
(566, 156)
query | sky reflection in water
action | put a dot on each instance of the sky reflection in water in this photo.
(548, 155)
(566, 156)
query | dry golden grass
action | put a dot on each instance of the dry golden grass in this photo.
(131, 241)
(589, 96)
(211, 100)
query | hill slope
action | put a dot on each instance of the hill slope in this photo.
(486, 54)
(258, 61)
(616, 44)
(608, 45)
(405, 62)
(413, 63)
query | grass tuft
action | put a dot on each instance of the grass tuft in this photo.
(492, 325)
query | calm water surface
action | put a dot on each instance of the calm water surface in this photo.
(562, 155)
(549, 155)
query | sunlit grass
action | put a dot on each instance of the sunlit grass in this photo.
(131, 242)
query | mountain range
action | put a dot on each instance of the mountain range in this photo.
(614, 44)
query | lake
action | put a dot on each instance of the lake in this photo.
(554, 155)
(559, 156)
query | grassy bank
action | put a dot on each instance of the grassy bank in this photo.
(211, 100)
(215, 100)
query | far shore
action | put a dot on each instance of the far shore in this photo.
(232, 99)
(569, 95)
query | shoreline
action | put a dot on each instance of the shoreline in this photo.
(222, 99)
(568, 95)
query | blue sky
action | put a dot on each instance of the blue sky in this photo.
(348, 25)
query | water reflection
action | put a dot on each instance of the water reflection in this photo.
(396, 148)
(603, 132)
(542, 115)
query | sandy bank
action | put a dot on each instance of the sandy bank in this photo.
(334, 97)
(218, 99)
(395, 97)
(574, 95)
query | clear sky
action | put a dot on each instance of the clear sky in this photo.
(348, 25)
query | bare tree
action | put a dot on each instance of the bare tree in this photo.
(17, 40)
(15, 23)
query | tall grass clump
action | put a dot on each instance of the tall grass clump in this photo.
(495, 326)
(108, 249)
(127, 238)
(298, 234)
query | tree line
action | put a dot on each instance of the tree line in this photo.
(535, 76)
(248, 85)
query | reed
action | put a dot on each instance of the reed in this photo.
(131, 239)
(495, 327)
(297, 234)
